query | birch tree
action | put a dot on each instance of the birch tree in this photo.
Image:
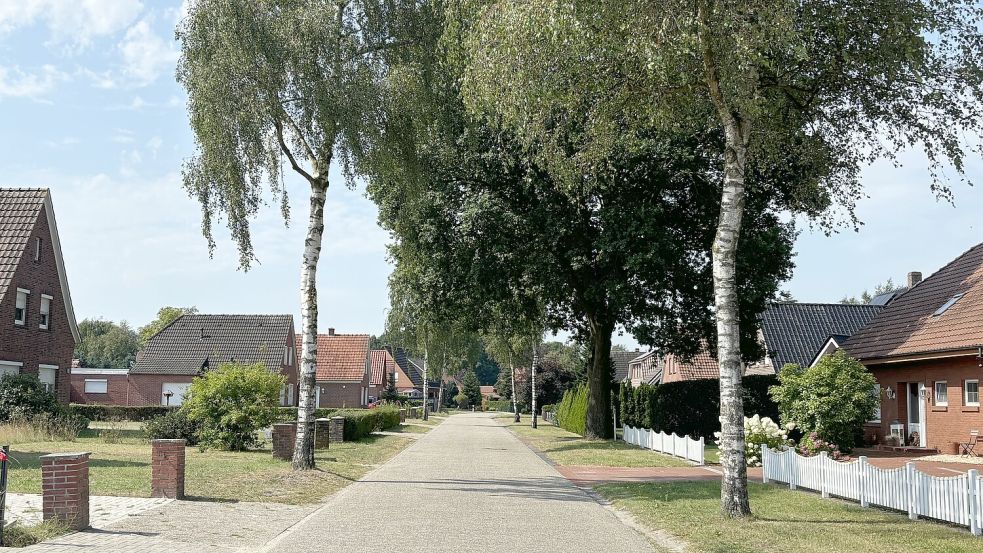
(285, 82)
(833, 85)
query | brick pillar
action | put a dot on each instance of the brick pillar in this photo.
(322, 433)
(168, 469)
(402, 415)
(65, 488)
(337, 432)
(284, 438)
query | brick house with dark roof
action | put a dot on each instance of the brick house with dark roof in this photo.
(926, 351)
(38, 331)
(382, 365)
(187, 347)
(343, 370)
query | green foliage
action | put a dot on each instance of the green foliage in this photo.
(289, 414)
(24, 396)
(487, 369)
(571, 413)
(111, 412)
(462, 401)
(450, 392)
(105, 344)
(471, 388)
(391, 393)
(833, 399)
(174, 425)
(360, 423)
(165, 316)
(499, 405)
(865, 297)
(16, 534)
(232, 403)
(552, 380)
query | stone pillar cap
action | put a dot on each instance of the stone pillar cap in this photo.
(65, 456)
(169, 441)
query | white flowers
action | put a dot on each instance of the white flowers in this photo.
(760, 430)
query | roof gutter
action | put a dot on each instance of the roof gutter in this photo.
(975, 351)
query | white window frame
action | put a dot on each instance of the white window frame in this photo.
(966, 384)
(37, 248)
(877, 410)
(54, 368)
(290, 394)
(26, 294)
(94, 381)
(44, 319)
(945, 387)
(10, 367)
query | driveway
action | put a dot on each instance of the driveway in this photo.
(467, 485)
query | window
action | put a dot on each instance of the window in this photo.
(96, 386)
(972, 393)
(20, 308)
(947, 305)
(941, 393)
(37, 249)
(877, 410)
(10, 367)
(290, 394)
(43, 321)
(283, 395)
(48, 375)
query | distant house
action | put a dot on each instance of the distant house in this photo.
(382, 366)
(409, 375)
(343, 370)
(188, 347)
(926, 351)
(489, 393)
(645, 368)
(619, 363)
(38, 331)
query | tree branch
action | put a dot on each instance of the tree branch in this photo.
(290, 155)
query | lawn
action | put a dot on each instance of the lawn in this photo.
(123, 469)
(783, 521)
(567, 448)
(417, 426)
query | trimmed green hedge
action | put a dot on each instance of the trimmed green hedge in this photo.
(691, 407)
(500, 405)
(289, 414)
(108, 412)
(359, 423)
(571, 412)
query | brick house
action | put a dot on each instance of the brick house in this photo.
(38, 331)
(343, 369)
(382, 366)
(186, 348)
(926, 351)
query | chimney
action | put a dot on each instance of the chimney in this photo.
(331, 330)
(914, 278)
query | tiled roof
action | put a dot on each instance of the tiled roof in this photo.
(908, 325)
(416, 367)
(701, 365)
(341, 357)
(19, 211)
(651, 366)
(794, 332)
(383, 364)
(192, 342)
(620, 360)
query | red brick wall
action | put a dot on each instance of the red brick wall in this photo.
(167, 476)
(117, 389)
(28, 344)
(335, 394)
(944, 425)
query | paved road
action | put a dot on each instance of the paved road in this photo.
(467, 485)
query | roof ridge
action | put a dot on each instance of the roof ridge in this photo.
(837, 304)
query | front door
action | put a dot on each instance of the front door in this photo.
(916, 413)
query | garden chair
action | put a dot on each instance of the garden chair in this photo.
(966, 448)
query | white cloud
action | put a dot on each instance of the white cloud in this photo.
(20, 84)
(72, 22)
(145, 54)
(123, 136)
(154, 145)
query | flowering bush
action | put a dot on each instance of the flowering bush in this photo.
(811, 444)
(761, 430)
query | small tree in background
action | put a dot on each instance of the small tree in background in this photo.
(232, 403)
(391, 393)
(832, 399)
(472, 388)
(107, 345)
(165, 316)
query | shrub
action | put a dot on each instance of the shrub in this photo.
(232, 403)
(832, 399)
(360, 423)
(571, 413)
(174, 425)
(289, 414)
(811, 445)
(113, 431)
(760, 431)
(23, 395)
(500, 405)
(119, 412)
(462, 401)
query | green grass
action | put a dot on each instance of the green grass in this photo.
(123, 469)
(19, 535)
(417, 426)
(783, 521)
(711, 454)
(567, 448)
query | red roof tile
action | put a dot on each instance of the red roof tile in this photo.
(701, 365)
(340, 357)
(382, 364)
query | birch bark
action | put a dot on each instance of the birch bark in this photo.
(535, 361)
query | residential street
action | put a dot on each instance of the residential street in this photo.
(467, 485)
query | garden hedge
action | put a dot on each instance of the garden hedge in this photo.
(289, 414)
(359, 423)
(110, 412)
(571, 412)
(691, 407)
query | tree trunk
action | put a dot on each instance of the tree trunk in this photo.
(426, 383)
(304, 446)
(535, 361)
(515, 400)
(599, 381)
(733, 489)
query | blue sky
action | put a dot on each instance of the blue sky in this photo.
(89, 107)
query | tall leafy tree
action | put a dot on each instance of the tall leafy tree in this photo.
(165, 316)
(295, 82)
(105, 344)
(830, 85)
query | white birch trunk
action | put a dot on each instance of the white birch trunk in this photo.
(304, 446)
(426, 383)
(535, 361)
(515, 401)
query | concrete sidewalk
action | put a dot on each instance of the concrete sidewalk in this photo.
(467, 485)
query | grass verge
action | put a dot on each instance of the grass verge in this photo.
(123, 469)
(783, 521)
(567, 448)
(19, 535)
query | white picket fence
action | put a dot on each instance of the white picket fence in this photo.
(670, 444)
(955, 499)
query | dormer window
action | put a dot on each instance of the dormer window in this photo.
(947, 305)
(20, 307)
